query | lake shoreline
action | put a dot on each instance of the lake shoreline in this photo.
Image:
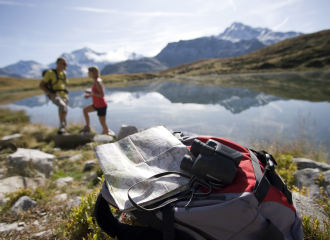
(259, 81)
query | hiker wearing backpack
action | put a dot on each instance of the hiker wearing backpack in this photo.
(54, 84)
(99, 103)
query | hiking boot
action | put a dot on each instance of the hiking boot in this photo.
(85, 130)
(111, 133)
(62, 130)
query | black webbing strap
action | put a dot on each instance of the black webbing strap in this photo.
(50, 84)
(272, 233)
(262, 186)
(269, 176)
(168, 222)
(277, 182)
(111, 226)
(189, 192)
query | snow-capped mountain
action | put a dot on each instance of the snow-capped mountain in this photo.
(79, 60)
(236, 40)
(78, 63)
(5, 72)
(238, 31)
(27, 69)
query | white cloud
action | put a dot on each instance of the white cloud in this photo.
(281, 24)
(231, 2)
(132, 13)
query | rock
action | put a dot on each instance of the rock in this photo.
(111, 133)
(12, 140)
(61, 198)
(103, 138)
(71, 141)
(91, 177)
(36, 223)
(12, 184)
(61, 182)
(2, 173)
(42, 234)
(309, 208)
(25, 162)
(75, 157)
(4, 201)
(307, 163)
(307, 177)
(89, 165)
(88, 146)
(4, 227)
(126, 131)
(21, 224)
(63, 157)
(22, 204)
(75, 202)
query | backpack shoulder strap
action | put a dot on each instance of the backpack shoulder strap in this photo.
(263, 181)
(111, 226)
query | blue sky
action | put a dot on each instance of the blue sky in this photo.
(42, 30)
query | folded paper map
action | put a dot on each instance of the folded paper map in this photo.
(138, 157)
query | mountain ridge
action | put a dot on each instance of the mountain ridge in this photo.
(308, 51)
(78, 62)
(236, 40)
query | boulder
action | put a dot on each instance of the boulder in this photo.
(307, 177)
(326, 176)
(61, 182)
(103, 138)
(12, 184)
(126, 131)
(27, 162)
(307, 163)
(309, 208)
(71, 141)
(23, 204)
(11, 140)
(89, 165)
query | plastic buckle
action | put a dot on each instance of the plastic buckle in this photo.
(270, 163)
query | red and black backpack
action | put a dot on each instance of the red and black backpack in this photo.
(256, 205)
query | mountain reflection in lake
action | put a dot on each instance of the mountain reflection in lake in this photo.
(235, 113)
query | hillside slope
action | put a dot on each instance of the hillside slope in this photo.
(310, 51)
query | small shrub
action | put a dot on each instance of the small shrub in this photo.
(285, 168)
(81, 223)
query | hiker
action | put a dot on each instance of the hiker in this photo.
(99, 103)
(54, 85)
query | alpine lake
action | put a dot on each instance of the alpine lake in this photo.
(240, 107)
